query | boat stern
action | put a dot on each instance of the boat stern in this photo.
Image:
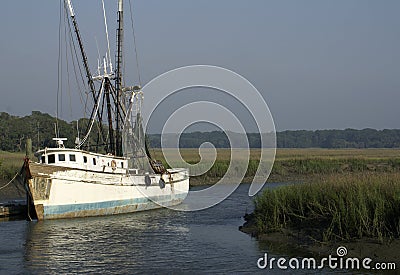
(38, 184)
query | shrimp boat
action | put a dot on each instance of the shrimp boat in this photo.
(118, 176)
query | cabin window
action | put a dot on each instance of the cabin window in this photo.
(133, 171)
(72, 158)
(122, 165)
(61, 157)
(52, 158)
(43, 159)
(85, 159)
(94, 161)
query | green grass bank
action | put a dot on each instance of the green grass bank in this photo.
(333, 208)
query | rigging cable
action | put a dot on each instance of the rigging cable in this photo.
(137, 59)
(76, 63)
(94, 118)
(59, 69)
(67, 66)
(134, 43)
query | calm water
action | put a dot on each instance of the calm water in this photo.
(159, 241)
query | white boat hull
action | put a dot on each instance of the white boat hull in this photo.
(60, 192)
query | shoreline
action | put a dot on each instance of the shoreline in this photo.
(11, 192)
(357, 210)
(289, 242)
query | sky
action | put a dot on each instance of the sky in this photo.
(318, 64)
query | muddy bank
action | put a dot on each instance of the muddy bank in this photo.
(298, 243)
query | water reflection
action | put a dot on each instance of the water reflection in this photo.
(159, 241)
(105, 243)
(12, 246)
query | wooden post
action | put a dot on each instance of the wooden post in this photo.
(28, 148)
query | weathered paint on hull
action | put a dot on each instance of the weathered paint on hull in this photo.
(59, 192)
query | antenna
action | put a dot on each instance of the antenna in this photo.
(98, 58)
(77, 140)
(55, 130)
(108, 40)
(38, 138)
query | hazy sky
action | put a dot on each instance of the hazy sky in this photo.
(319, 64)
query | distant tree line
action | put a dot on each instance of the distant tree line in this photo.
(349, 138)
(40, 127)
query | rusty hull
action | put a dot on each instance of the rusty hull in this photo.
(40, 182)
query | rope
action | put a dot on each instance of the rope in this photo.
(94, 118)
(9, 181)
(134, 42)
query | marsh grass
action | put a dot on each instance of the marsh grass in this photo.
(344, 207)
(192, 155)
(10, 164)
(301, 163)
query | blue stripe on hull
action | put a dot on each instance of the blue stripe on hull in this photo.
(109, 207)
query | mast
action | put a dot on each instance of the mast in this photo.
(118, 77)
(85, 64)
(109, 112)
(113, 99)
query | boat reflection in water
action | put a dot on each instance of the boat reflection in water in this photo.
(113, 243)
(157, 241)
